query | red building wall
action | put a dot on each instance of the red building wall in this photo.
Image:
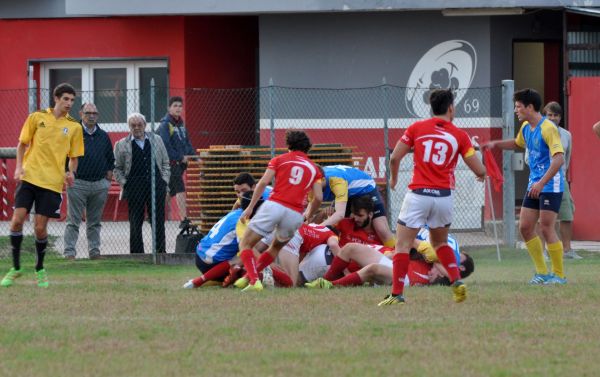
(214, 116)
(584, 96)
(202, 52)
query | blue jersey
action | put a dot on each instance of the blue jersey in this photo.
(344, 182)
(542, 142)
(220, 244)
(267, 192)
(423, 235)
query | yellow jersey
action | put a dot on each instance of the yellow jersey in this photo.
(50, 142)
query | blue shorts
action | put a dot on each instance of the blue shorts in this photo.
(547, 201)
(378, 204)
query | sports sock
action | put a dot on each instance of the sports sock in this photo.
(338, 265)
(390, 243)
(264, 260)
(247, 257)
(555, 250)
(399, 270)
(217, 272)
(282, 278)
(536, 252)
(40, 249)
(349, 280)
(16, 238)
(445, 255)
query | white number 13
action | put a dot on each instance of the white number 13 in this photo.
(296, 174)
(439, 157)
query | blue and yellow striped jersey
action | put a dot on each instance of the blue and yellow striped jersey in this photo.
(343, 182)
(221, 242)
(542, 142)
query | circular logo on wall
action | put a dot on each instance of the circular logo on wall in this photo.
(448, 65)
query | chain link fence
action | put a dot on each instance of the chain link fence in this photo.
(237, 130)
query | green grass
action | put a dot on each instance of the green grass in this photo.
(116, 317)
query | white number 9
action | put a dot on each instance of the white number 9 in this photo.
(296, 175)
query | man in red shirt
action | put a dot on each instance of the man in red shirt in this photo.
(436, 144)
(314, 235)
(376, 267)
(359, 226)
(308, 238)
(295, 175)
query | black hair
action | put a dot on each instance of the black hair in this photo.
(244, 177)
(297, 140)
(442, 280)
(335, 230)
(469, 266)
(413, 254)
(62, 89)
(363, 202)
(528, 97)
(440, 100)
(246, 198)
(175, 99)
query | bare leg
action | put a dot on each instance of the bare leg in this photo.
(361, 254)
(566, 233)
(180, 197)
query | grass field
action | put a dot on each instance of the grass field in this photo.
(123, 318)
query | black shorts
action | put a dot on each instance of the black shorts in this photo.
(47, 202)
(548, 201)
(378, 204)
(176, 181)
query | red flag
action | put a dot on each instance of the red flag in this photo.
(492, 169)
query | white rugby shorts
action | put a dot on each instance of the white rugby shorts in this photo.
(273, 216)
(420, 210)
(385, 261)
(316, 263)
(293, 245)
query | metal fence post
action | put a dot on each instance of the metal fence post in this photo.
(272, 117)
(386, 142)
(153, 170)
(32, 92)
(508, 190)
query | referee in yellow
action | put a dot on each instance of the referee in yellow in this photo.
(47, 138)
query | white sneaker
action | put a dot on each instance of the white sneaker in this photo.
(571, 254)
(268, 280)
(189, 285)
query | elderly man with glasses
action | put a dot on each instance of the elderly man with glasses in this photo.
(90, 189)
(133, 155)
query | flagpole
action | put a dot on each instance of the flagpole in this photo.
(489, 190)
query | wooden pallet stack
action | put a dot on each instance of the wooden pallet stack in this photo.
(210, 194)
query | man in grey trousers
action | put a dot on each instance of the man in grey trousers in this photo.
(92, 181)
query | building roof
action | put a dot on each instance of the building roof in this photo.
(93, 8)
(146, 7)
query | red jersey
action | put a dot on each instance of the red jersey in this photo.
(295, 175)
(349, 232)
(436, 144)
(418, 272)
(313, 235)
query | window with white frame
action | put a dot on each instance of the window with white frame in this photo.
(117, 88)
